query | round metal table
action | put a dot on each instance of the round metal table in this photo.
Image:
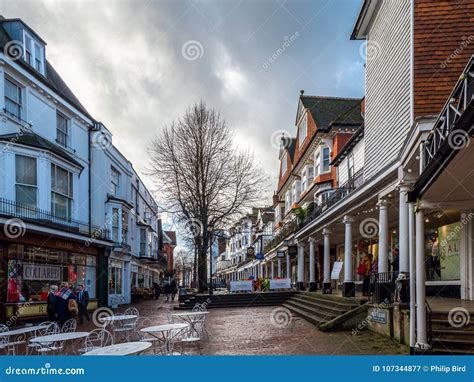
(127, 348)
(166, 333)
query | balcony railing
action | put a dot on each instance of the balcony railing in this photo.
(35, 215)
(446, 131)
(338, 194)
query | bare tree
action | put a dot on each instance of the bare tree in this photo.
(203, 180)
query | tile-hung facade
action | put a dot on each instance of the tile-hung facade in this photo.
(416, 157)
(308, 180)
(54, 226)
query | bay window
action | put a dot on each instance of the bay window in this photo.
(143, 241)
(26, 180)
(325, 159)
(115, 225)
(61, 192)
(124, 227)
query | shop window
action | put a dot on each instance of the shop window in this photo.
(61, 192)
(26, 180)
(115, 277)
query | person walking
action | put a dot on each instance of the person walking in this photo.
(174, 289)
(50, 303)
(168, 290)
(366, 269)
(157, 290)
(61, 305)
(82, 302)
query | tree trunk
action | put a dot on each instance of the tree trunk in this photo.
(202, 271)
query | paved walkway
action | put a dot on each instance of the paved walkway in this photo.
(269, 330)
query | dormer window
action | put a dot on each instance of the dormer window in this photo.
(33, 52)
(303, 130)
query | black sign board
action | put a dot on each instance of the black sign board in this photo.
(292, 250)
(281, 254)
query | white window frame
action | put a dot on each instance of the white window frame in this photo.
(303, 129)
(327, 169)
(19, 104)
(32, 51)
(66, 133)
(35, 186)
(69, 195)
(114, 186)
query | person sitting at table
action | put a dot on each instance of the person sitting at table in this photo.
(82, 302)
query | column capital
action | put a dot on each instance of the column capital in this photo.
(348, 219)
(383, 204)
(327, 231)
(312, 240)
(300, 243)
(404, 186)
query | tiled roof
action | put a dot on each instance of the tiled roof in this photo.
(330, 111)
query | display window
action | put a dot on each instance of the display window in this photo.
(31, 271)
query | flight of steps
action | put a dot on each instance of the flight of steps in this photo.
(325, 311)
(234, 300)
(448, 339)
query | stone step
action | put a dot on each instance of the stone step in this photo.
(325, 316)
(329, 300)
(319, 304)
(303, 314)
(450, 345)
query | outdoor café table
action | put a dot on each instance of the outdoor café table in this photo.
(60, 337)
(166, 333)
(21, 334)
(122, 317)
(126, 348)
(192, 318)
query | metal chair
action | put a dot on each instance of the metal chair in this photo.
(144, 322)
(46, 347)
(97, 338)
(69, 326)
(132, 311)
(5, 342)
(133, 322)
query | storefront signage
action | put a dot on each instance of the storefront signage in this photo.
(64, 244)
(241, 286)
(259, 256)
(292, 250)
(41, 272)
(379, 316)
(281, 254)
(280, 284)
(336, 270)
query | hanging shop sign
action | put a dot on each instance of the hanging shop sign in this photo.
(336, 270)
(41, 272)
(250, 252)
(292, 250)
(260, 256)
(379, 316)
(281, 254)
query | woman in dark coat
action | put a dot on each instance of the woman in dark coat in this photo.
(62, 303)
(51, 302)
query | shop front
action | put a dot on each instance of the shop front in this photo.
(28, 269)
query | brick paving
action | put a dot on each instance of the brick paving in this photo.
(269, 331)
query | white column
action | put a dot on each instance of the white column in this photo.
(421, 335)
(348, 220)
(272, 273)
(288, 266)
(411, 255)
(327, 258)
(403, 229)
(312, 262)
(279, 267)
(300, 273)
(383, 236)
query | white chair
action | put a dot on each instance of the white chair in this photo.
(5, 344)
(46, 347)
(144, 322)
(132, 323)
(97, 338)
(69, 326)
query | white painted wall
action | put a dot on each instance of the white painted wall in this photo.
(343, 170)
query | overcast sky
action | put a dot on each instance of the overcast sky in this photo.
(136, 65)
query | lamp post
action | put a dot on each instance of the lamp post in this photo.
(210, 229)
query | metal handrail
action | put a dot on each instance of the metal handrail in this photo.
(429, 322)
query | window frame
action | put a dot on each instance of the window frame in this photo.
(66, 133)
(32, 51)
(55, 192)
(26, 185)
(303, 128)
(19, 103)
(114, 187)
(325, 165)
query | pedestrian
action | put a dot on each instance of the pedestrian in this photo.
(157, 290)
(395, 260)
(174, 289)
(365, 270)
(82, 302)
(63, 307)
(168, 290)
(50, 303)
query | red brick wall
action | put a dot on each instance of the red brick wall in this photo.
(443, 44)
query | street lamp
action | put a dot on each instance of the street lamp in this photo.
(210, 229)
